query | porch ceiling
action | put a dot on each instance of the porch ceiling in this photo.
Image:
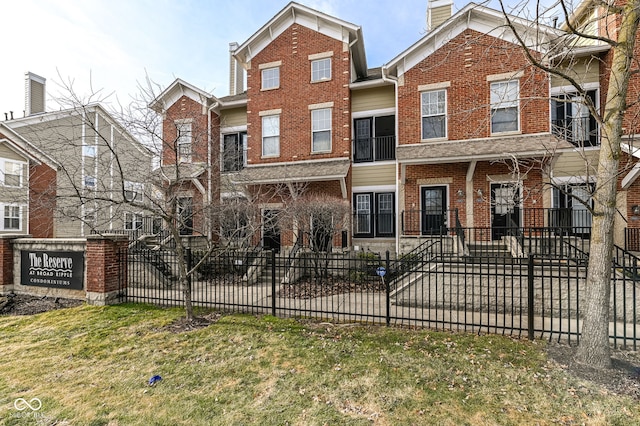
(495, 148)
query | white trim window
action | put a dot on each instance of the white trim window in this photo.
(321, 130)
(270, 78)
(434, 114)
(12, 217)
(271, 135)
(11, 173)
(133, 191)
(184, 140)
(321, 70)
(132, 221)
(505, 106)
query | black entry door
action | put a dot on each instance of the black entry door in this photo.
(505, 209)
(270, 230)
(434, 210)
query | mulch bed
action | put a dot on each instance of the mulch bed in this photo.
(18, 304)
(309, 288)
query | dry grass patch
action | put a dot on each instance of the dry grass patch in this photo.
(90, 366)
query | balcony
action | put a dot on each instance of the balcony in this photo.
(581, 132)
(381, 148)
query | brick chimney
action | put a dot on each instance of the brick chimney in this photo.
(438, 11)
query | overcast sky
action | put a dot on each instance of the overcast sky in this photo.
(115, 44)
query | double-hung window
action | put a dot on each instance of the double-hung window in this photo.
(505, 106)
(89, 181)
(270, 78)
(11, 174)
(183, 140)
(11, 217)
(434, 121)
(321, 130)
(132, 221)
(321, 70)
(89, 151)
(271, 135)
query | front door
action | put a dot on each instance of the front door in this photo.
(505, 209)
(271, 230)
(434, 210)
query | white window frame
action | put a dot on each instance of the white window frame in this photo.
(320, 124)
(131, 219)
(270, 78)
(426, 111)
(321, 70)
(505, 95)
(184, 140)
(4, 168)
(133, 191)
(11, 208)
(271, 136)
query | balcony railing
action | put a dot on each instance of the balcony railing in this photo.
(581, 132)
(570, 221)
(380, 148)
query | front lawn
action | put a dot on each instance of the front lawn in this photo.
(91, 366)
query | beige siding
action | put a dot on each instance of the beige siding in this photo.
(233, 117)
(372, 99)
(577, 163)
(587, 70)
(10, 154)
(374, 175)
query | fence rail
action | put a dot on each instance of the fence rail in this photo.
(534, 296)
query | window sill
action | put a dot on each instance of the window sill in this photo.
(266, 157)
(511, 133)
(444, 139)
(321, 152)
(269, 89)
(324, 80)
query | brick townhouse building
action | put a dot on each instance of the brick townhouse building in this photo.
(457, 130)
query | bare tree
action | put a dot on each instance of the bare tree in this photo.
(618, 29)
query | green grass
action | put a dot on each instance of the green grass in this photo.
(90, 366)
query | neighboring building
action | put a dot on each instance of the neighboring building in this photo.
(27, 187)
(457, 131)
(103, 173)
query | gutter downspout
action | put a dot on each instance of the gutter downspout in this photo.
(394, 81)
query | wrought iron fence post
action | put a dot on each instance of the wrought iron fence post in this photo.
(387, 289)
(273, 283)
(530, 297)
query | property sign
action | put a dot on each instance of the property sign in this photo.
(56, 269)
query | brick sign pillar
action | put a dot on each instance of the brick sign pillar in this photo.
(106, 259)
(6, 262)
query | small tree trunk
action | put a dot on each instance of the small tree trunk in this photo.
(594, 349)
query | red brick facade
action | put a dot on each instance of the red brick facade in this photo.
(42, 200)
(465, 62)
(105, 270)
(296, 93)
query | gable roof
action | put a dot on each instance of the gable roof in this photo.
(23, 147)
(314, 20)
(175, 91)
(476, 17)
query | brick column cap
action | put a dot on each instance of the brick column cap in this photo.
(14, 236)
(108, 237)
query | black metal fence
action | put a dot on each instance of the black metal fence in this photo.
(535, 296)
